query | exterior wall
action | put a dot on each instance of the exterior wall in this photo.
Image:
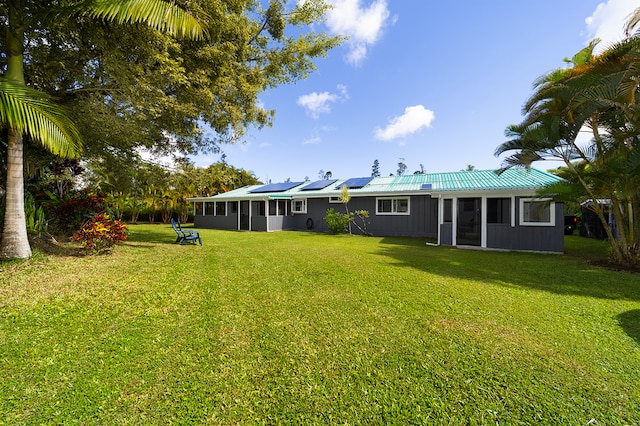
(258, 218)
(446, 234)
(512, 236)
(209, 220)
(217, 222)
(280, 223)
(532, 238)
(422, 222)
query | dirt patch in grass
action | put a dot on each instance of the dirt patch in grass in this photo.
(605, 263)
(57, 246)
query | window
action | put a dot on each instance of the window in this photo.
(258, 208)
(392, 206)
(299, 206)
(234, 206)
(221, 208)
(537, 212)
(208, 209)
(283, 207)
(499, 210)
(448, 210)
(334, 200)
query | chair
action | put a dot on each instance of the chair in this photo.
(185, 236)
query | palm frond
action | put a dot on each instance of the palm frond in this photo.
(159, 14)
(32, 113)
(634, 20)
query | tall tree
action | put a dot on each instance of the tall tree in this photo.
(375, 168)
(128, 86)
(402, 167)
(26, 112)
(599, 93)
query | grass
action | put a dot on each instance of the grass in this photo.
(293, 327)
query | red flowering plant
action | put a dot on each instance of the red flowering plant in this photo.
(100, 233)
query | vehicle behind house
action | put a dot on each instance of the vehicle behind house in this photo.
(570, 224)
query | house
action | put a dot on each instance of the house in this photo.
(479, 208)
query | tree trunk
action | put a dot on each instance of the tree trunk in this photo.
(15, 243)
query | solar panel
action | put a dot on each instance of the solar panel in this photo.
(355, 183)
(427, 186)
(276, 187)
(319, 184)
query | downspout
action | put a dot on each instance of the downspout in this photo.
(483, 221)
(454, 221)
(440, 215)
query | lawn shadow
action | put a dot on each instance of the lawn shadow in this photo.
(159, 234)
(560, 274)
(630, 323)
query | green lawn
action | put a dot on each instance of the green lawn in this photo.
(302, 328)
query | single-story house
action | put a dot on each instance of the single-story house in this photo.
(478, 208)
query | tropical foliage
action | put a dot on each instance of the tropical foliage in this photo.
(341, 222)
(597, 93)
(187, 80)
(101, 232)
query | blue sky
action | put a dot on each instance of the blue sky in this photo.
(433, 83)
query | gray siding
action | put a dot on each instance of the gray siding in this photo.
(422, 222)
(446, 234)
(534, 238)
(216, 222)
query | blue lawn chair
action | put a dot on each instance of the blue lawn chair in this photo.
(185, 236)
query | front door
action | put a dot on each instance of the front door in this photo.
(469, 222)
(244, 215)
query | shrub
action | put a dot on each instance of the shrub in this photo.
(35, 217)
(69, 213)
(337, 222)
(100, 233)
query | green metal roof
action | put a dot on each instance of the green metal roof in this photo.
(464, 181)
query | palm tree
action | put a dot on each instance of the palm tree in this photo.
(26, 112)
(598, 92)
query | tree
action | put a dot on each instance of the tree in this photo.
(422, 170)
(130, 86)
(375, 169)
(30, 113)
(322, 175)
(598, 93)
(402, 167)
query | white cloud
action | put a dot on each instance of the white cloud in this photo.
(608, 20)
(414, 119)
(362, 25)
(314, 139)
(319, 103)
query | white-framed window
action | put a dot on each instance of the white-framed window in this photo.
(335, 200)
(221, 208)
(299, 205)
(537, 212)
(392, 206)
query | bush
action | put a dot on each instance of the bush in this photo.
(69, 213)
(337, 222)
(37, 223)
(100, 233)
